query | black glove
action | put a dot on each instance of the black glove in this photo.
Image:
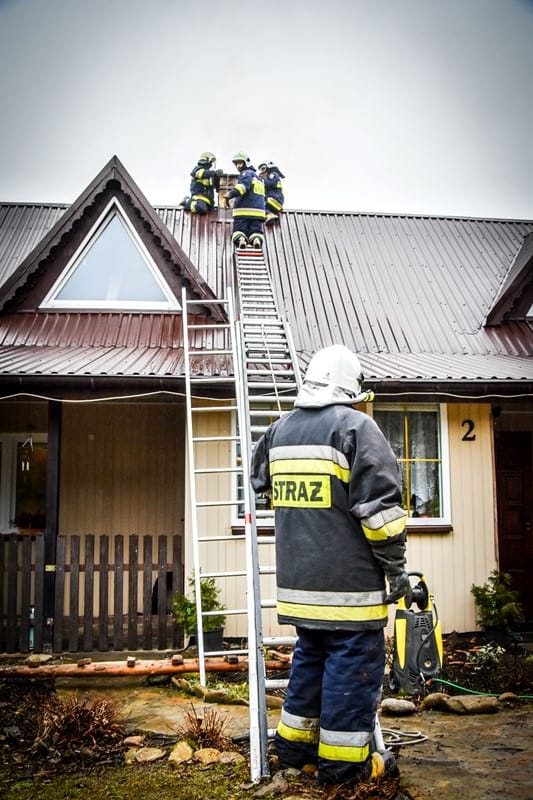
(399, 585)
(219, 172)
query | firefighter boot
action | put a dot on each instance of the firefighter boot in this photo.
(383, 765)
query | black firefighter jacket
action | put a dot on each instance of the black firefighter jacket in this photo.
(334, 486)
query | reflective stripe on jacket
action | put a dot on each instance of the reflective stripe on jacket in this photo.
(274, 191)
(249, 194)
(204, 182)
(333, 479)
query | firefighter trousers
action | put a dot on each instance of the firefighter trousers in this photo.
(329, 713)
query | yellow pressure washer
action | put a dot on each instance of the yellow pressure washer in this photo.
(417, 644)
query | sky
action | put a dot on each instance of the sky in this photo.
(391, 106)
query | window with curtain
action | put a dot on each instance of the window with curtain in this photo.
(416, 435)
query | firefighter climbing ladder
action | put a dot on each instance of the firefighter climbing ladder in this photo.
(259, 384)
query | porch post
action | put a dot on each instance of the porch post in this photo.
(52, 521)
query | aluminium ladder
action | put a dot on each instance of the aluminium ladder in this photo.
(258, 384)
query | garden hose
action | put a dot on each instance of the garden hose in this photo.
(473, 691)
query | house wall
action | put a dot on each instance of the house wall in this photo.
(228, 555)
(453, 561)
(123, 471)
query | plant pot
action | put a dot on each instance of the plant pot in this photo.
(214, 640)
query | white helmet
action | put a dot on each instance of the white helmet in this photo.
(334, 375)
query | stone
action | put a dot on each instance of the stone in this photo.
(433, 700)
(476, 704)
(217, 696)
(231, 757)
(134, 741)
(206, 755)
(509, 697)
(182, 684)
(398, 707)
(460, 704)
(276, 786)
(38, 659)
(273, 702)
(181, 753)
(146, 755)
(176, 660)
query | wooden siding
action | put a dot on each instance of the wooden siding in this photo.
(17, 417)
(452, 562)
(122, 469)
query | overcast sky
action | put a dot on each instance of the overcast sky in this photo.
(410, 106)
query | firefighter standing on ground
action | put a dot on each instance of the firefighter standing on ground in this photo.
(248, 202)
(340, 530)
(274, 199)
(204, 180)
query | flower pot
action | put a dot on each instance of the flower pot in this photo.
(214, 640)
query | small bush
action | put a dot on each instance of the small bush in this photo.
(204, 731)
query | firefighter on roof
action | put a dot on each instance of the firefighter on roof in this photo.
(340, 532)
(248, 202)
(274, 198)
(204, 180)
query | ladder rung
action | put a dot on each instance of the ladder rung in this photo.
(213, 379)
(217, 503)
(272, 398)
(224, 326)
(265, 384)
(230, 538)
(216, 438)
(210, 409)
(220, 302)
(276, 683)
(203, 352)
(279, 640)
(235, 574)
(216, 470)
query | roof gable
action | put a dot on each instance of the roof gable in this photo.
(111, 269)
(515, 298)
(38, 274)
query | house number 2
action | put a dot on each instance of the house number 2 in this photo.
(469, 435)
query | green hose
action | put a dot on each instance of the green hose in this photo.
(473, 691)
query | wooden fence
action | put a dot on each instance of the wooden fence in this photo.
(104, 598)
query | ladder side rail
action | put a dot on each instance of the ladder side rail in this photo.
(192, 494)
(293, 354)
(256, 665)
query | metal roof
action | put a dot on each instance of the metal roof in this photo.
(408, 293)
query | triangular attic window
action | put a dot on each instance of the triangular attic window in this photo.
(111, 269)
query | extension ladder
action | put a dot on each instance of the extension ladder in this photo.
(258, 382)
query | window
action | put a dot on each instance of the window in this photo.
(111, 269)
(418, 437)
(23, 461)
(264, 512)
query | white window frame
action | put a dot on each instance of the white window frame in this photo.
(8, 483)
(445, 493)
(113, 208)
(237, 521)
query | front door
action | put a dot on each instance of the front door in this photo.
(515, 511)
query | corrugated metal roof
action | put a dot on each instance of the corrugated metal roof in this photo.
(408, 293)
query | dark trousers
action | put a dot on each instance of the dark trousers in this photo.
(249, 227)
(329, 713)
